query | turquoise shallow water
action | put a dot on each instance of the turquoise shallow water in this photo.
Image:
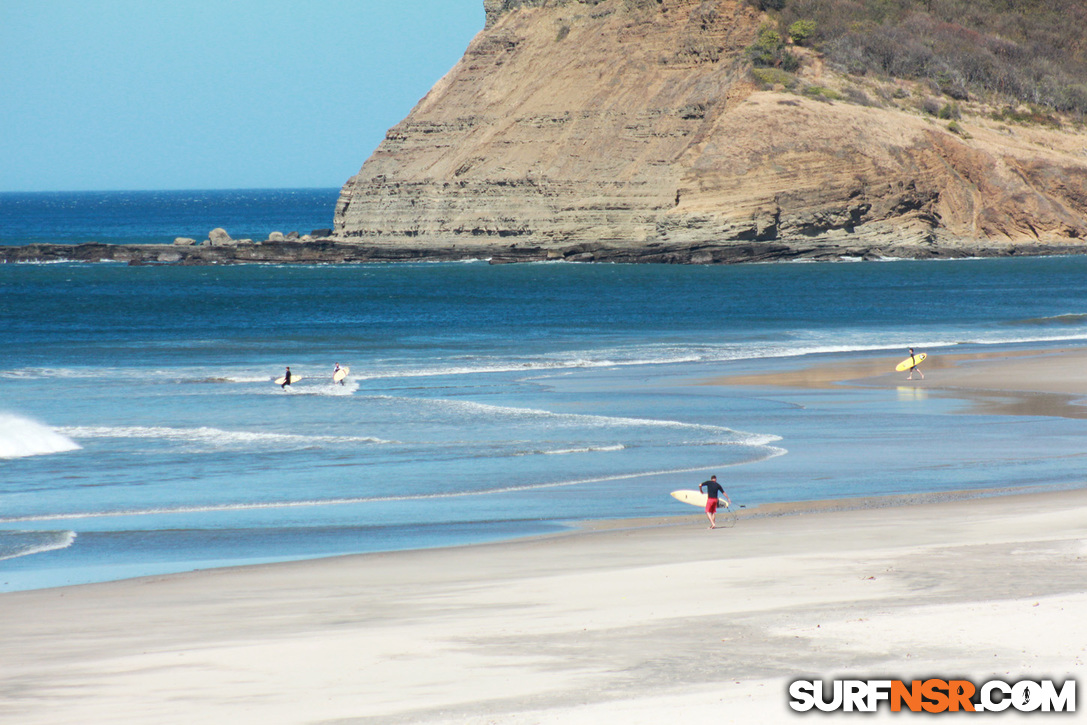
(140, 431)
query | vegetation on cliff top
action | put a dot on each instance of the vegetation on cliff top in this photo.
(1025, 51)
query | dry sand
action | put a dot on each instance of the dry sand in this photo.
(655, 622)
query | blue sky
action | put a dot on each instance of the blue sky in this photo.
(212, 94)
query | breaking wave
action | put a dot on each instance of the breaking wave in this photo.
(24, 543)
(21, 437)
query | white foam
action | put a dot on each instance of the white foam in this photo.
(45, 262)
(236, 379)
(770, 452)
(595, 421)
(308, 387)
(21, 437)
(588, 449)
(799, 344)
(213, 436)
(50, 373)
(14, 544)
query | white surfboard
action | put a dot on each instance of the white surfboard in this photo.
(340, 374)
(294, 379)
(694, 498)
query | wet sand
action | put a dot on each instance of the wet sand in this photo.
(647, 621)
(1020, 382)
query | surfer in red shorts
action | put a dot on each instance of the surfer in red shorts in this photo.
(713, 490)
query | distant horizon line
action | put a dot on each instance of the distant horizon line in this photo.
(187, 189)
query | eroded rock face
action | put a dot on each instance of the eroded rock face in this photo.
(219, 237)
(562, 122)
(632, 123)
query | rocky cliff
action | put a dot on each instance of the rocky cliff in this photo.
(639, 125)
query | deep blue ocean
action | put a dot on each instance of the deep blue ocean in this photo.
(141, 432)
(159, 217)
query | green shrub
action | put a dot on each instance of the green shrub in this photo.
(770, 77)
(958, 130)
(769, 51)
(820, 93)
(802, 31)
(949, 111)
(1032, 116)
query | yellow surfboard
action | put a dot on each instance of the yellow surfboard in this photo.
(911, 362)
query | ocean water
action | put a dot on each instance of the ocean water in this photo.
(158, 217)
(141, 432)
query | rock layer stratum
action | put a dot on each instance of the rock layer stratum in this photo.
(634, 126)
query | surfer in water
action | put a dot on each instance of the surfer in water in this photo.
(914, 367)
(286, 378)
(336, 370)
(713, 490)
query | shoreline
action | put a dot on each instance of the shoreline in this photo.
(585, 626)
(880, 371)
(1037, 381)
(803, 508)
(631, 620)
(844, 370)
(335, 250)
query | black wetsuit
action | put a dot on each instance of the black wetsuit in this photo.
(713, 488)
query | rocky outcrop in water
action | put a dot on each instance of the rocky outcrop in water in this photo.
(637, 131)
(636, 125)
(328, 251)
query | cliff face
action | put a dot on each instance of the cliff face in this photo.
(634, 123)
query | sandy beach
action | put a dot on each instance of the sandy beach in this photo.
(633, 622)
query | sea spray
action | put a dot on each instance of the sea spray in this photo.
(21, 437)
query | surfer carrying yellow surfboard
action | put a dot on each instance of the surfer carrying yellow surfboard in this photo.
(914, 363)
(713, 490)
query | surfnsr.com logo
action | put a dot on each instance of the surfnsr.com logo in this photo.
(933, 695)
